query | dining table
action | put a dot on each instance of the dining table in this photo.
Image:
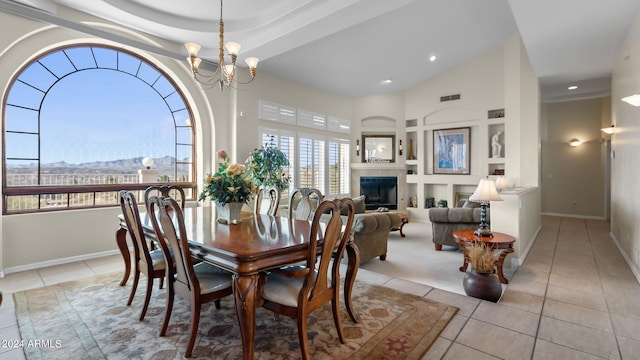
(247, 249)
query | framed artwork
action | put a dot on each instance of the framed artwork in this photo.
(451, 151)
(461, 196)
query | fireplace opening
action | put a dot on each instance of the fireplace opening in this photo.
(379, 191)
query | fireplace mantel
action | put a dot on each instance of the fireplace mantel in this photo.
(377, 166)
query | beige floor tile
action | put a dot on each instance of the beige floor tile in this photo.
(107, 264)
(545, 350)
(465, 304)
(20, 285)
(495, 340)
(14, 354)
(592, 341)
(629, 348)
(29, 275)
(458, 352)
(524, 285)
(623, 305)
(409, 287)
(10, 333)
(523, 301)
(507, 317)
(591, 301)
(7, 317)
(371, 277)
(437, 349)
(68, 272)
(592, 286)
(454, 326)
(626, 326)
(577, 314)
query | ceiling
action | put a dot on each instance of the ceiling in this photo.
(348, 47)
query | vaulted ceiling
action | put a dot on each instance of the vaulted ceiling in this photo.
(348, 47)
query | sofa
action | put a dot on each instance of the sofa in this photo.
(370, 230)
(444, 221)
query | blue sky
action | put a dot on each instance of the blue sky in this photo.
(93, 114)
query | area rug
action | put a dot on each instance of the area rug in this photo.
(89, 319)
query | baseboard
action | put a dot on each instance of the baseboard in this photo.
(632, 266)
(61, 261)
(575, 216)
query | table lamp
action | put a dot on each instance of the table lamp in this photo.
(485, 192)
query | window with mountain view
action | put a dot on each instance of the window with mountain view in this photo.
(78, 122)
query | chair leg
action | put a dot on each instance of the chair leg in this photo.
(161, 283)
(195, 321)
(302, 337)
(217, 302)
(337, 319)
(147, 298)
(167, 312)
(134, 286)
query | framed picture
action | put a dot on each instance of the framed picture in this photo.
(461, 196)
(451, 151)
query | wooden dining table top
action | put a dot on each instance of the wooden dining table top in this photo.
(257, 243)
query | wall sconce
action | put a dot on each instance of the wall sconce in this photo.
(357, 147)
(575, 142)
(609, 130)
(632, 100)
(400, 147)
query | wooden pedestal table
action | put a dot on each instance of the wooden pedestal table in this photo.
(498, 241)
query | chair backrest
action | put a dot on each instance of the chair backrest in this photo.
(131, 215)
(173, 191)
(168, 224)
(317, 289)
(304, 202)
(267, 200)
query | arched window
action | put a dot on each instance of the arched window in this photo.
(79, 120)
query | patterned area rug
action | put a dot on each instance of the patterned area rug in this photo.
(89, 319)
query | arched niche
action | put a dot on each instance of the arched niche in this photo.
(378, 122)
(451, 115)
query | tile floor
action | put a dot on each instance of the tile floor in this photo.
(573, 298)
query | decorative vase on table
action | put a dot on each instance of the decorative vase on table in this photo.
(229, 213)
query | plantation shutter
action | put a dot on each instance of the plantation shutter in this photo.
(339, 171)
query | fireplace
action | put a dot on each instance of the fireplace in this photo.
(379, 191)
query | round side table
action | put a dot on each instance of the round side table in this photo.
(498, 241)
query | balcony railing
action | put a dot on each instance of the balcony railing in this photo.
(66, 191)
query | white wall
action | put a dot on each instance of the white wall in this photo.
(625, 167)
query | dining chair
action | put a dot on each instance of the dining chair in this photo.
(163, 190)
(151, 263)
(173, 191)
(199, 284)
(267, 200)
(298, 292)
(303, 203)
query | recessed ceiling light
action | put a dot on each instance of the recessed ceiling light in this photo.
(572, 87)
(387, 81)
(432, 58)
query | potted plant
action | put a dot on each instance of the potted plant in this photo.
(265, 167)
(230, 187)
(481, 282)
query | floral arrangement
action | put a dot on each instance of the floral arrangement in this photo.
(229, 184)
(266, 166)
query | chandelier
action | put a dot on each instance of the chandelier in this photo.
(224, 74)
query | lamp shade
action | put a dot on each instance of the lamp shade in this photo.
(501, 183)
(485, 192)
